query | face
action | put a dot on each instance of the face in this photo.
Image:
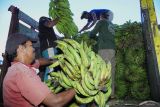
(46, 22)
(29, 52)
(86, 16)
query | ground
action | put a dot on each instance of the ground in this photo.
(132, 103)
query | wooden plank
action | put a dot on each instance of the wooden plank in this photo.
(14, 20)
(152, 65)
(23, 29)
(28, 20)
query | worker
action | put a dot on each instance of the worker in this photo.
(22, 87)
(106, 43)
(93, 16)
(47, 36)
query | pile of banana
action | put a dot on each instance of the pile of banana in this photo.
(83, 70)
(61, 9)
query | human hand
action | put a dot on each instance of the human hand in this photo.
(57, 18)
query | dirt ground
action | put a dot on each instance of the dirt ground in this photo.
(132, 103)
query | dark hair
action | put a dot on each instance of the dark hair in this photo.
(104, 15)
(84, 14)
(10, 58)
(15, 40)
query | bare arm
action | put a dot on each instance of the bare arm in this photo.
(84, 28)
(44, 61)
(52, 22)
(88, 25)
(94, 20)
(59, 100)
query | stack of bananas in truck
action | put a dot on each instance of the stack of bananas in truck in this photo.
(61, 9)
(83, 70)
(131, 74)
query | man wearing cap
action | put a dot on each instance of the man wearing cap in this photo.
(93, 16)
(21, 86)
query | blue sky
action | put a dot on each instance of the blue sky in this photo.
(124, 10)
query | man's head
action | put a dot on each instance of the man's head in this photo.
(44, 21)
(85, 15)
(20, 46)
(47, 22)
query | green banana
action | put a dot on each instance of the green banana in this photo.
(60, 56)
(63, 4)
(89, 82)
(62, 9)
(75, 54)
(54, 64)
(108, 93)
(80, 90)
(83, 55)
(90, 78)
(84, 100)
(63, 84)
(58, 89)
(107, 75)
(82, 71)
(104, 71)
(71, 61)
(93, 61)
(97, 79)
(72, 69)
(66, 70)
(88, 91)
(73, 43)
(103, 100)
(60, 42)
(55, 74)
(97, 98)
(66, 80)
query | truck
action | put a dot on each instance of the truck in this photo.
(149, 27)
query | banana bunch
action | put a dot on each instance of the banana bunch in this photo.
(83, 70)
(86, 37)
(53, 85)
(61, 9)
(157, 49)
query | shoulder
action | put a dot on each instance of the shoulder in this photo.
(102, 21)
(19, 67)
(93, 11)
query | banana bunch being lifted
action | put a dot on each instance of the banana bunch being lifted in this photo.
(61, 9)
(83, 70)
